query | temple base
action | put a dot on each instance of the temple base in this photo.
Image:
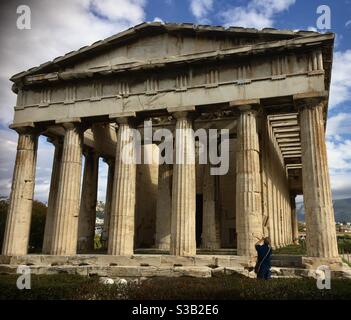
(156, 265)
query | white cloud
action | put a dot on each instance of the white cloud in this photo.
(341, 185)
(312, 29)
(57, 28)
(341, 79)
(256, 14)
(200, 9)
(339, 161)
(8, 143)
(339, 155)
(157, 19)
(339, 124)
(120, 10)
(102, 183)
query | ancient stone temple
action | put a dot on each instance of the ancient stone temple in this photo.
(268, 88)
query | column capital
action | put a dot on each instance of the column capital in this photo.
(182, 112)
(25, 128)
(245, 104)
(124, 117)
(248, 108)
(72, 123)
(68, 121)
(310, 100)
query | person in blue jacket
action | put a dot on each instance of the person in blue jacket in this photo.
(263, 264)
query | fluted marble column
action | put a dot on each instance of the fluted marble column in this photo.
(272, 186)
(264, 165)
(164, 207)
(21, 199)
(210, 219)
(275, 211)
(121, 230)
(319, 212)
(183, 237)
(248, 183)
(50, 216)
(87, 213)
(65, 230)
(108, 201)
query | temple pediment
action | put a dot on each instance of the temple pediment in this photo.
(150, 42)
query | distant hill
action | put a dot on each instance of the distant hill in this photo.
(342, 210)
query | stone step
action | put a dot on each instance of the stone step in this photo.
(175, 271)
(134, 260)
(291, 261)
(115, 271)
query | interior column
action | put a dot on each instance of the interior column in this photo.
(87, 214)
(54, 183)
(164, 207)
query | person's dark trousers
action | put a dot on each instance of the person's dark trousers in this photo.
(264, 274)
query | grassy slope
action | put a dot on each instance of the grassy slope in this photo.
(224, 287)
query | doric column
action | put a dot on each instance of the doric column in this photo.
(294, 221)
(164, 207)
(272, 205)
(210, 218)
(65, 229)
(281, 199)
(275, 211)
(264, 165)
(282, 230)
(121, 229)
(286, 233)
(282, 213)
(21, 199)
(87, 213)
(183, 236)
(108, 201)
(319, 212)
(50, 216)
(248, 183)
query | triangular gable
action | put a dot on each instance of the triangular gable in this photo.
(155, 40)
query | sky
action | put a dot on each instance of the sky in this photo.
(58, 27)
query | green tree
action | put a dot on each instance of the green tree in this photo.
(37, 226)
(301, 226)
(3, 211)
